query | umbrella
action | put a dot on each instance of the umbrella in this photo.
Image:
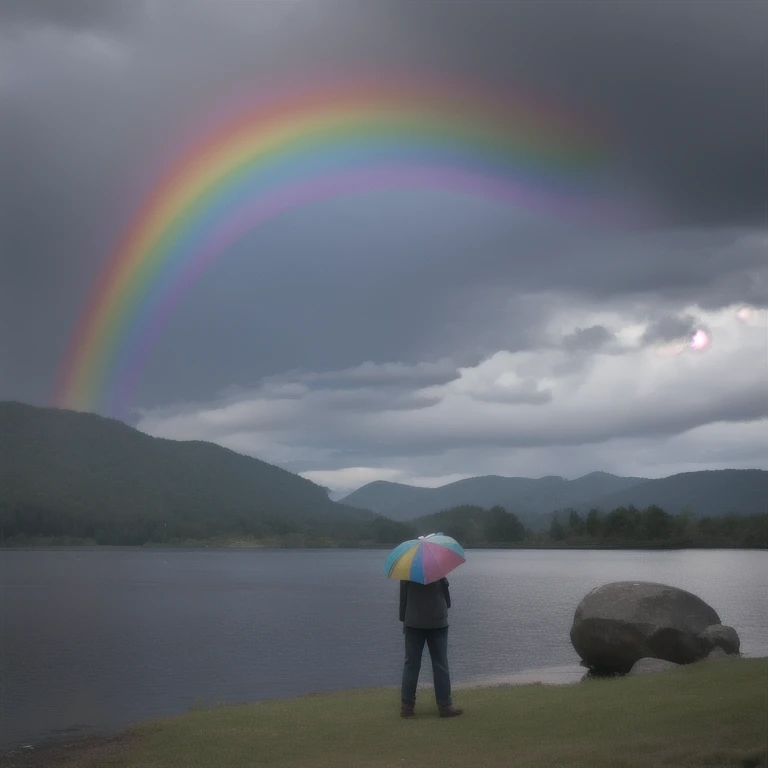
(424, 560)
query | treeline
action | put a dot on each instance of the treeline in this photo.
(621, 527)
(472, 526)
(29, 524)
(653, 527)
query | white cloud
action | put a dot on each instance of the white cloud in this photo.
(350, 478)
(637, 393)
(344, 481)
(625, 407)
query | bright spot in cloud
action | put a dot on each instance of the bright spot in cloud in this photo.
(700, 340)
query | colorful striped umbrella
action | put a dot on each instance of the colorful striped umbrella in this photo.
(424, 560)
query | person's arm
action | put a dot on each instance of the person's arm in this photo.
(447, 594)
(403, 598)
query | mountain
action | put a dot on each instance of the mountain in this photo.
(708, 493)
(527, 497)
(83, 475)
(78, 475)
(393, 500)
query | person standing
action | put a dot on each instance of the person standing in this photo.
(424, 613)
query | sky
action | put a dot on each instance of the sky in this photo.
(412, 336)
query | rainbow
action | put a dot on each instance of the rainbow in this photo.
(301, 148)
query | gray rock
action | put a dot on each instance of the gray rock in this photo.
(619, 623)
(720, 636)
(647, 666)
(717, 653)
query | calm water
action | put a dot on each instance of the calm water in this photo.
(95, 640)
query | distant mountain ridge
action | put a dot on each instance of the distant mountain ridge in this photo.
(101, 477)
(79, 475)
(708, 493)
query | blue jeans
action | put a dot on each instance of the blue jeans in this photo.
(437, 641)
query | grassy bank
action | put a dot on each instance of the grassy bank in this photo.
(709, 714)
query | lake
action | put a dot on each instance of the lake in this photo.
(92, 640)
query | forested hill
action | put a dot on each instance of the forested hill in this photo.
(66, 477)
(77, 474)
(709, 493)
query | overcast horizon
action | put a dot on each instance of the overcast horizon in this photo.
(415, 336)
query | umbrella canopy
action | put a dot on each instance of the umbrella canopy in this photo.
(424, 560)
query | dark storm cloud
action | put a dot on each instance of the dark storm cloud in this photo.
(365, 400)
(390, 374)
(670, 328)
(682, 83)
(73, 14)
(89, 119)
(528, 394)
(590, 338)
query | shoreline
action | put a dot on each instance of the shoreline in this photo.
(567, 675)
(550, 676)
(82, 750)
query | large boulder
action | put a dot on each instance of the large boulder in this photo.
(619, 623)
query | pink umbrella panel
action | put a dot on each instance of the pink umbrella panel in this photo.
(424, 560)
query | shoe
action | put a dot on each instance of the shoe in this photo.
(448, 710)
(406, 710)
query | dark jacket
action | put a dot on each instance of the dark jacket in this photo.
(424, 606)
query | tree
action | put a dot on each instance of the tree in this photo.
(684, 523)
(556, 529)
(472, 533)
(576, 525)
(503, 526)
(658, 524)
(593, 522)
(622, 523)
(386, 531)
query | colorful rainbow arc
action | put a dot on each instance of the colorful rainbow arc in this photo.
(304, 149)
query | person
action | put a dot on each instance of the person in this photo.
(424, 613)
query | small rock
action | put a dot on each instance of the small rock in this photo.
(717, 653)
(648, 665)
(720, 636)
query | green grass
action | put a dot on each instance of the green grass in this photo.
(714, 713)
